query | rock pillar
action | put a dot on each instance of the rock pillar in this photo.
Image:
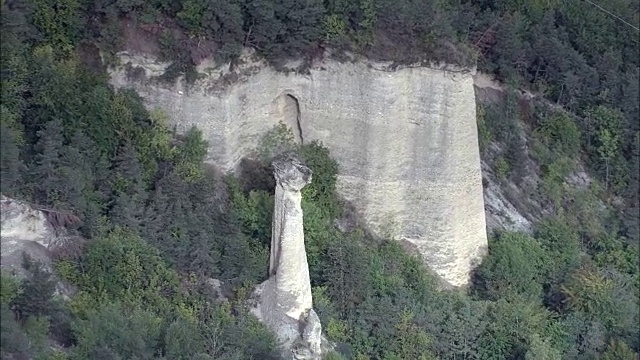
(285, 303)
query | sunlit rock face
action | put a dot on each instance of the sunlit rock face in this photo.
(405, 139)
(26, 229)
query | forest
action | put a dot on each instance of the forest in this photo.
(158, 224)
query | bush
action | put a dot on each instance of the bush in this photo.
(484, 135)
(322, 190)
(619, 350)
(120, 266)
(36, 297)
(276, 141)
(513, 327)
(502, 168)
(553, 179)
(14, 340)
(607, 297)
(516, 266)
(562, 245)
(561, 135)
(60, 22)
(9, 287)
(282, 29)
(114, 329)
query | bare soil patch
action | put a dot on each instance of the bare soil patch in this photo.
(484, 81)
(141, 38)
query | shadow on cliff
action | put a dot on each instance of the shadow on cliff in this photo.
(255, 175)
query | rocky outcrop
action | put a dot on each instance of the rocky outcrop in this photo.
(405, 138)
(284, 301)
(24, 229)
(29, 230)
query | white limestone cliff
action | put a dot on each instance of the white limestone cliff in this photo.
(284, 300)
(405, 139)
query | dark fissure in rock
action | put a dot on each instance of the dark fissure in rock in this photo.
(290, 111)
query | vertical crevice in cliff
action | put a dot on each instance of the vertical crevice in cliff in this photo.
(298, 121)
(290, 115)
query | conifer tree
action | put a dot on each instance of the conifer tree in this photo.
(11, 165)
(128, 194)
(35, 299)
(45, 177)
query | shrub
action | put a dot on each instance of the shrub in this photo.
(9, 287)
(562, 246)
(335, 28)
(119, 265)
(117, 331)
(484, 135)
(515, 266)
(561, 135)
(502, 168)
(322, 190)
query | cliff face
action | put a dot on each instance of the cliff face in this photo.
(406, 140)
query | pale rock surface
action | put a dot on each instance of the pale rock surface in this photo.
(405, 139)
(501, 213)
(217, 293)
(25, 229)
(284, 301)
(312, 333)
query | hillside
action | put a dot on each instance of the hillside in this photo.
(560, 169)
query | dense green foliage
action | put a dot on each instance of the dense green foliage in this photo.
(159, 224)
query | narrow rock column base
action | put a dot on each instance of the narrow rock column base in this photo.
(300, 339)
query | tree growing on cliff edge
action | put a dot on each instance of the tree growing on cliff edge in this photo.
(283, 28)
(221, 21)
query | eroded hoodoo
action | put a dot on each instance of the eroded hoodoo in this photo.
(285, 303)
